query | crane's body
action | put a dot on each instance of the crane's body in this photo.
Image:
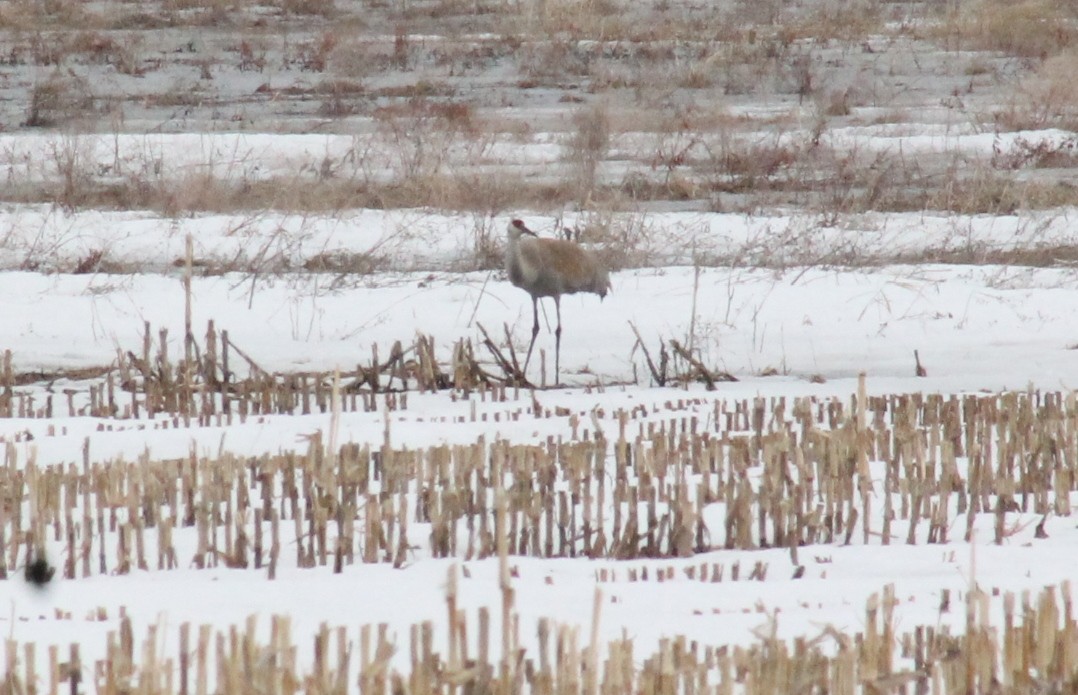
(551, 268)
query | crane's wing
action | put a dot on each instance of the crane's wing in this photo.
(578, 269)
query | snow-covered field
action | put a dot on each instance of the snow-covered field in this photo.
(974, 326)
(977, 329)
(890, 472)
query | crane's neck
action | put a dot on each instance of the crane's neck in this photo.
(520, 273)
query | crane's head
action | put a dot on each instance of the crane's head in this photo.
(517, 228)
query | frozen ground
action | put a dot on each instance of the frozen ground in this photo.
(759, 193)
(976, 327)
(779, 301)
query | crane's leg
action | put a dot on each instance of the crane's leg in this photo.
(535, 331)
(557, 342)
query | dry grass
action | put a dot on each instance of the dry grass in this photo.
(324, 8)
(986, 193)
(1027, 28)
(840, 183)
(45, 14)
(610, 80)
(1051, 256)
(833, 21)
(580, 18)
(1048, 98)
(467, 192)
(58, 100)
(32, 15)
(208, 193)
(587, 146)
(761, 175)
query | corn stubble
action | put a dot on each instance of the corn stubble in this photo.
(1031, 652)
(766, 473)
(218, 382)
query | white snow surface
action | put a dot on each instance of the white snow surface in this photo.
(256, 156)
(975, 327)
(805, 316)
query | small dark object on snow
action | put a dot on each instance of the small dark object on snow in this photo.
(39, 572)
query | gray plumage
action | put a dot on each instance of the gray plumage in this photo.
(551, 268)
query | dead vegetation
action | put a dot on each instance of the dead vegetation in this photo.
(1047, 98)
(723, 172)
(653, 105)
(429, 116)
(216, 381)
(790, 473)
(1028, 28)
(1034, 645)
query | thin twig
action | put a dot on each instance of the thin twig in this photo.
(482, 291)
(512, 373)
(660, 379)
(706, 374)
(512, 351)
(244, 355)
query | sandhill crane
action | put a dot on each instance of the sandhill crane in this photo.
(551, 268)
